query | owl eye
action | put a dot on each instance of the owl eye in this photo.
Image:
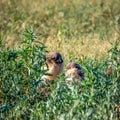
(59, 61)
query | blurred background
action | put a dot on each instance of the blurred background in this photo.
(85, 27)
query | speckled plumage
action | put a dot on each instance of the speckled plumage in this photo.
(74, 70)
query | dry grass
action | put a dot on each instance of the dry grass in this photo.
(90, 47)
(58, 26)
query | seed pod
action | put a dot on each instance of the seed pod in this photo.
(109, 70)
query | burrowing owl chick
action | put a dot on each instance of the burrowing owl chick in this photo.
(73, 70)
(55, 65)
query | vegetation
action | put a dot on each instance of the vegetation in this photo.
(64, 23)
(22, 95)
(85, 32)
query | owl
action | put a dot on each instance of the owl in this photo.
(55, 65)
(73, 71)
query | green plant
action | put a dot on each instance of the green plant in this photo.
(24, 96)
(20, 74)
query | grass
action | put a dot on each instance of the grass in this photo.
(63, 22)
(24, 96)
(86, 32)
